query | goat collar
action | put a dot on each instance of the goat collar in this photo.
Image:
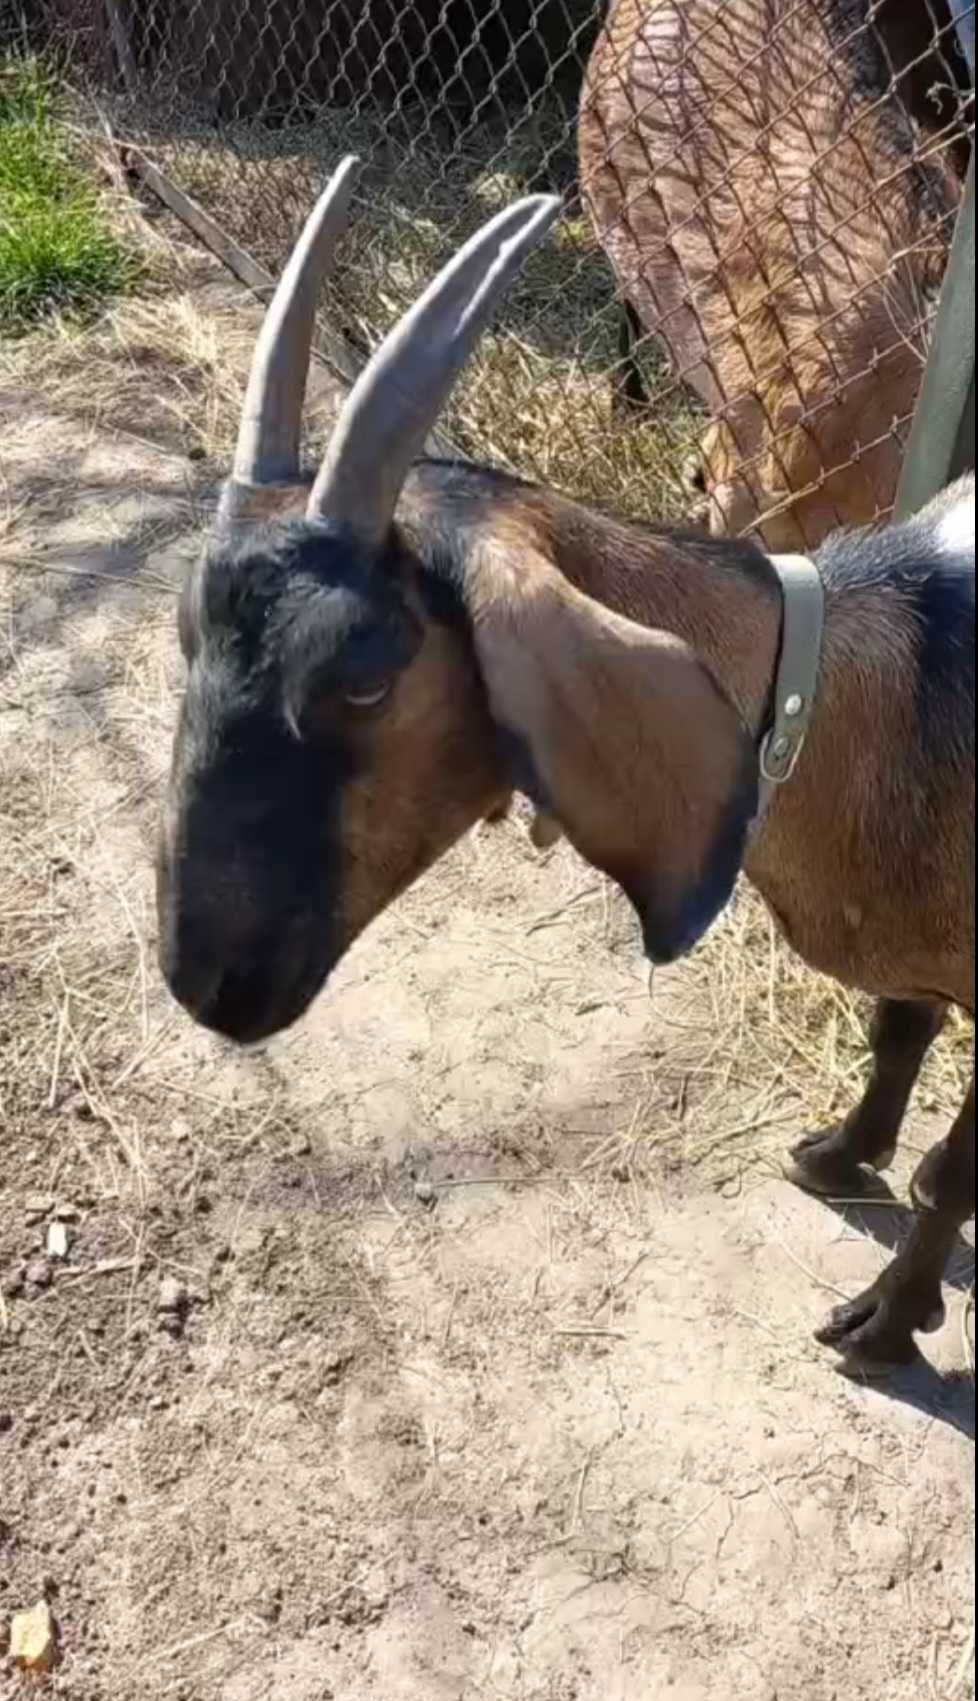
(802, 622)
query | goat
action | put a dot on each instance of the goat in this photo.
(780, 224)
(378, 659)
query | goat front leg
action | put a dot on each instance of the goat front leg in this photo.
(875, 1333)
(832, 1161)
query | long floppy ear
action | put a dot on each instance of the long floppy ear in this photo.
(623, 736)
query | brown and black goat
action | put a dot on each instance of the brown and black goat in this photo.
(370, 678)
(775, 184)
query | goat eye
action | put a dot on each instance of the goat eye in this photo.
(370, 696)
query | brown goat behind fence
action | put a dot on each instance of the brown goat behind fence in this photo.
(767, 188)
(776, 188)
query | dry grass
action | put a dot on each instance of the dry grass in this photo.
(798, 1036)
(539, 396)
(753, 1027)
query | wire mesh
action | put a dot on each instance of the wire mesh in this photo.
(732, 318)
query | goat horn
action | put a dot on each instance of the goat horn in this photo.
(397, 398)
(270, 432)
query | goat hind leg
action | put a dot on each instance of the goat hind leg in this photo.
(832, 1161)
(875, 1332)
(630, 393)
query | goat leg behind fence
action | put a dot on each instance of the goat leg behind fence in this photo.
(631, 395)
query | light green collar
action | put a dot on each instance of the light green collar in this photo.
(802, 623)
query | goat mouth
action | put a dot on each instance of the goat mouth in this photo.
(248, 1010)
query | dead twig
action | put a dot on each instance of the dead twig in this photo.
(143, 581)
(598, 1334)
(806, 1270)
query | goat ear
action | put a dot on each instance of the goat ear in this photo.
(621, 735)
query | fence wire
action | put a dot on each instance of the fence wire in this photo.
(733, 317)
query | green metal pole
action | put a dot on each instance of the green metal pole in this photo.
(944, 421)
(964, 448)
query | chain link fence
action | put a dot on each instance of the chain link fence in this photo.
(760, 196)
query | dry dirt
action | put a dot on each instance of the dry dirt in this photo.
(484, 1367)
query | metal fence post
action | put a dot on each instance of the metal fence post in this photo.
(942, 440)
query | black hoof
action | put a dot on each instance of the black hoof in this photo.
(821, 1163)
(873, 1340)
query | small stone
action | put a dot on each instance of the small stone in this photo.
(66, 1212)
(34, 1639)
(6, 1423)
(424, 1192)
(545, 832)
(300, 1147)
(334, 1365)
(57, 1241)
(37, 1276)
(172, 1299)
(37, 1206)
(269, 1606)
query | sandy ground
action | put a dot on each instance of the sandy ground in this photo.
(419, 1357)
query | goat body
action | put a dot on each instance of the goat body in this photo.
(779, 219)
(367, 682)
(866, 856)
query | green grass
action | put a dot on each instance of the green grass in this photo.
(57, 253)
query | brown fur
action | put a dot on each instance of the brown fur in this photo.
(544, 650)
(637, 752)
(391, 832)
(766, 221)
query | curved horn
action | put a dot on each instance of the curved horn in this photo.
(397, 398)
(271, 420)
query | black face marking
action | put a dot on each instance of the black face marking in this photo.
(279, 630)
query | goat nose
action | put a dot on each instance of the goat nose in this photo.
(241, 1008)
